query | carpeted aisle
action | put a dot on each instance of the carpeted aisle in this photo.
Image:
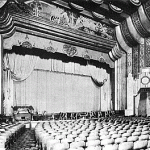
(25, 142)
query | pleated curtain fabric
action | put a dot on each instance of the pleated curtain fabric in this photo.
(54, 86)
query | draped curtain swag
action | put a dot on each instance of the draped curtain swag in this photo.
(20, 66)
(98, 75)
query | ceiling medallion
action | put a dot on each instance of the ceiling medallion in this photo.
(75, 6)
(115, 8)
(70, 50)
(145, 80)
(98, 1)
(135, 2)
(97, 15)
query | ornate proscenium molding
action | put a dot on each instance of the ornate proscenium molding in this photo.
(133, 30)
(18, 16)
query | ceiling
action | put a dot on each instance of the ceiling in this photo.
(110, 12)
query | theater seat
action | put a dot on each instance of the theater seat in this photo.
(93, 143)
(126, 146)
(107, 141)
(144, 137)
(94, 148)
(132, 138)
(111, 147)
(77, 144)
(140, 145)
(120, 140)
(60, 146)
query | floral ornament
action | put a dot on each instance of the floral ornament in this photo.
(102, 60)
(70, 50)
(50, 48)
(26, 43)
(86, 56)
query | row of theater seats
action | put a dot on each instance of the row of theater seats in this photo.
(9, 133)
(74, 115)
(113, 134)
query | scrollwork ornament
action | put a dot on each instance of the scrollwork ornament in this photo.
(70, 50)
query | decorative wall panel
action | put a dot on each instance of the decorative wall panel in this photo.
(129, 61)
(147, 52)
(141, 56)
(135, 64)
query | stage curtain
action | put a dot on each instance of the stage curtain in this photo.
(57, 92)
(7, 92)
(63, 67)
(20, 66)
(98, 75)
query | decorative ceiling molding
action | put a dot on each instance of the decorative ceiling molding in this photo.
(98, 1)
(97, 15)
(133, 32)
(144, 19)
(135, 2)
(120, 39)
(127, 35)
(116, 23)
(115, 8)
(75, 6)
(138, 24)
(146, 7)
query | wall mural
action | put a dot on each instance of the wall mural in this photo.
(70, 19)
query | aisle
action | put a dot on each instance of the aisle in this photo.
(25, 142)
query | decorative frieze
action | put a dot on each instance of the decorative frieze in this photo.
(69, 19)
(30, 41)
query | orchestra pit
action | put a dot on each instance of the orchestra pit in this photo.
(75, 75)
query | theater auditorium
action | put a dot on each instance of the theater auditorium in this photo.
(75, 75)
